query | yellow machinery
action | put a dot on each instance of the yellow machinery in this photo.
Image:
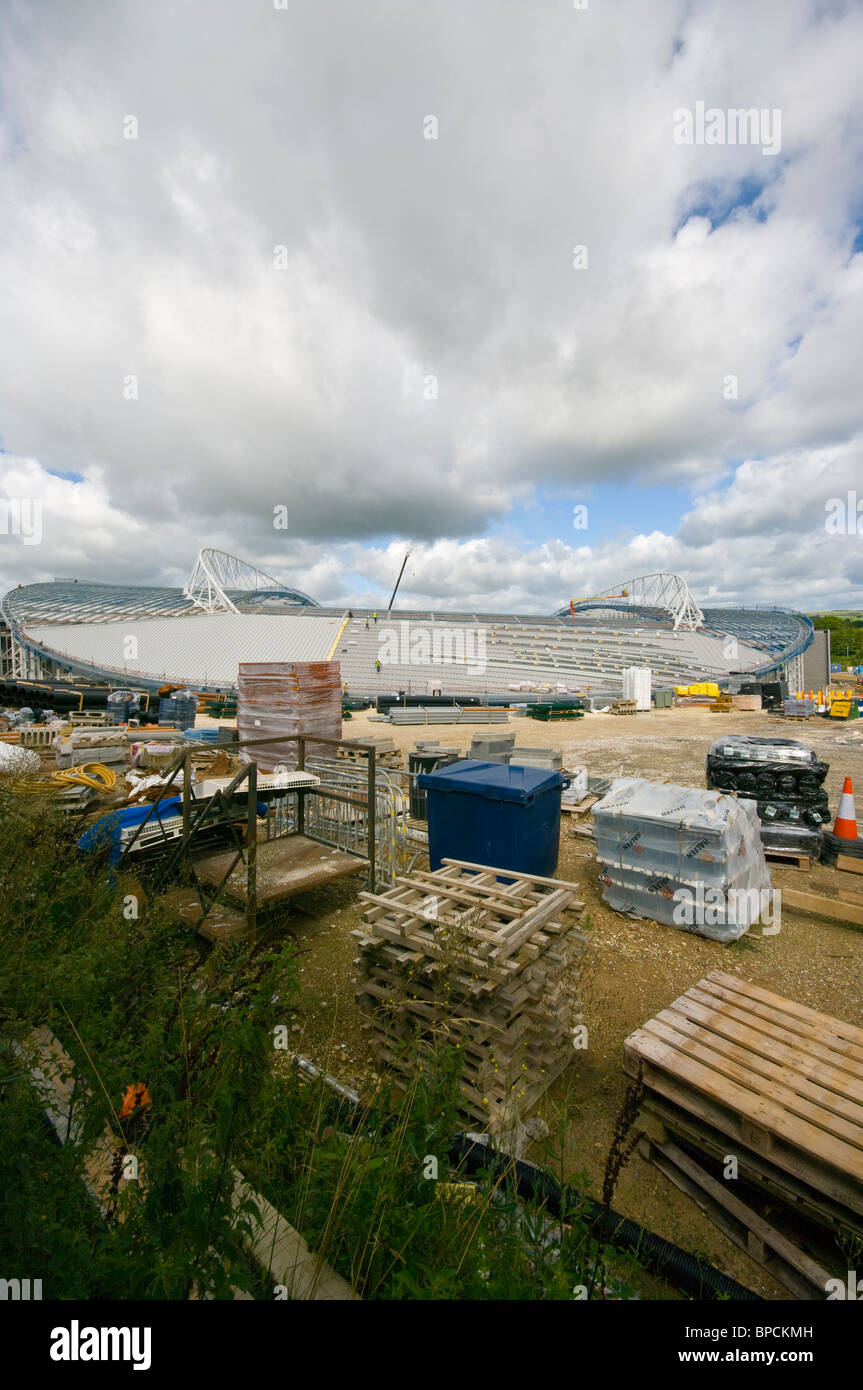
(700, 688)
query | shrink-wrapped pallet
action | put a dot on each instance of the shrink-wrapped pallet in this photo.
(636, 685)
(665, 849)
(288, 698)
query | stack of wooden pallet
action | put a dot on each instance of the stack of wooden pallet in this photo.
(460, 957)
(386, 753)
(721, 704)
(733, 1071)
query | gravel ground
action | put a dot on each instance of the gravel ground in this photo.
(633, 968)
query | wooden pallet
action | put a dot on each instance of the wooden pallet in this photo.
(663, 1120)
(459, 957)
(582, 806)
(789, 856)
(803, 1276)
(771, 1076)
(384, 757)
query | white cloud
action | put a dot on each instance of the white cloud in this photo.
(407, 257)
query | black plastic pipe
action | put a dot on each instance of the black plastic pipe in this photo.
(687, 1272)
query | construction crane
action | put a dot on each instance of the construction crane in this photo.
(398, 581)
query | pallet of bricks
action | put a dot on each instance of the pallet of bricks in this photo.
(459, 957)
(733, 1071)
(624, 706)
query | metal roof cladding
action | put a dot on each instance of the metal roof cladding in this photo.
(492, 781)
(204, 647)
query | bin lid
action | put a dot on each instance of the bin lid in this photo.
(492, 781)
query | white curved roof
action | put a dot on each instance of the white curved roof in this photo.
(200, 649)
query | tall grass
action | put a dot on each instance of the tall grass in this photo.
(140, 999)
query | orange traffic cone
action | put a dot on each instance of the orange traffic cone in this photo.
(845, 825)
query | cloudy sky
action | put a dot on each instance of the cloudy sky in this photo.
(434, 275)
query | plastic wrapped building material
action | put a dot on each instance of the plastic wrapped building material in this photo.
(636, 685)
(178, 709)
(664, 848)
(799, 707)
(815, 813)
(782, 775)
(288, 698)
(746, 748)
(764, 767)
(799, 839)
(577, 789)
(122, 705)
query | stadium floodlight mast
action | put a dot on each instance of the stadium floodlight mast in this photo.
(659, 590)
(216, 573)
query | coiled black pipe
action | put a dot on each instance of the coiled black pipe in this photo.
(694, 1276)
(687, 1272)
(831, 845)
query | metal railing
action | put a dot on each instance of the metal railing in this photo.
(337, 814)
(206, 811)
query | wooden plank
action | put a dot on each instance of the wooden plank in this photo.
(805, 1101)
(820, 906)
(756, 1237)
(763, 1017)
(581, 807)
(512, 935)
(761, 1044)
(512, 873)
(848, 864)
(284, 1254)
(831, 1055)
(445, 888)
(836, 1026)
(763, 1114)
(848, 895)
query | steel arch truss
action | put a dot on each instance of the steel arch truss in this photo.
(216, 575)
(668, 592)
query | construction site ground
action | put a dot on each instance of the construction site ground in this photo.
(633, 968)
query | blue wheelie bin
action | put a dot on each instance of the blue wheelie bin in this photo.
(500, 814)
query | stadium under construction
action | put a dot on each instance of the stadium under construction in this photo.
(67, 634)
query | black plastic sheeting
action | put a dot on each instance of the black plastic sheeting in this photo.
(765, 780)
